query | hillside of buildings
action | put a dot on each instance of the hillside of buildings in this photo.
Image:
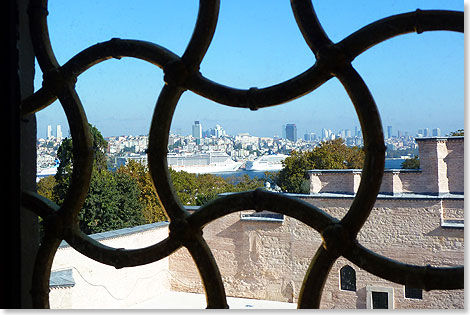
(242, 147)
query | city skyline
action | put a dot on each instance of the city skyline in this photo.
(417, 80)
(199, 131)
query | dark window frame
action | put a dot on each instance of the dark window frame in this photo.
(413, 293)
(267, 216)
(379, 298)
(347, 276)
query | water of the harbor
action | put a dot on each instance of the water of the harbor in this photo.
(389, 164)
(393, 163)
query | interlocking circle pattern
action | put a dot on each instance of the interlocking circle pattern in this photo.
(181, 74)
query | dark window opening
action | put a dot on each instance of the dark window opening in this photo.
(453, 223)
(413, 293)
(348, 278)
(379, 300)
(262, 216)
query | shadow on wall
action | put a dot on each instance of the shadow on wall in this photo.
(454, 170)
(361, 298)
(261, 258)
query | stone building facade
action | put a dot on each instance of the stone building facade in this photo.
(417, 219)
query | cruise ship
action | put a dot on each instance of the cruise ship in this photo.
(203, 163)
(271, 162)
(45, 172)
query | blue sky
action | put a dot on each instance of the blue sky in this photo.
(416, 80)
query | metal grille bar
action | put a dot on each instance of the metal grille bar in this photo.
(181, 74)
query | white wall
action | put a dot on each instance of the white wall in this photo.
(101, 286)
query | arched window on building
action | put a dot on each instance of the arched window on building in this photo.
(348, 278)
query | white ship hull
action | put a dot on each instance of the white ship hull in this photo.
(51, 171)
(206, 169)
(203, 163)
(267, 168)
(266, 163)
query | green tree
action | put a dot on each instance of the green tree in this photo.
(412, 163)
(197, 190)
(45, 187)
(245, 183)
(113, 198)
(112, 203)
(459, 132)
(334, 154)
(184, 184)
(100, 146)
(331, 154)
(64, 171)
(293, 177)
(152, 209)
(65, 156)
(208, 186)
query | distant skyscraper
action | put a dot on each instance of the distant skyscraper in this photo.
(59, 132)
(49, 131)
(219, 131)
(436, 132)
(283, 132)
(389, 131)
(291, 132)
(197, 130)
(426, 132)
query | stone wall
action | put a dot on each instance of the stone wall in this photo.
(455, 164)
(268, 260)
(99, 286)
(337, 181)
